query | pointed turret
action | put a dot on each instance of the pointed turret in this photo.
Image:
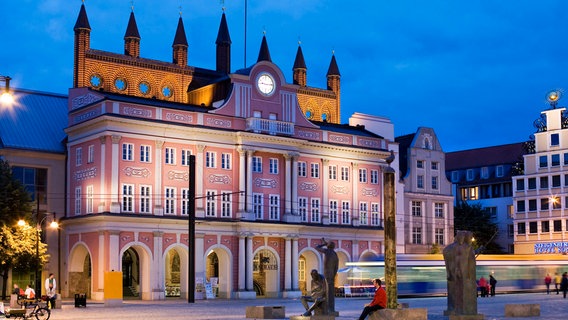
(180, 45)
(300, 70)
(264, 53)
(132, 38)
(82, 43)
(223, 43)
(334, 84)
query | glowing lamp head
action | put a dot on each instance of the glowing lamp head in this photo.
(553, 96)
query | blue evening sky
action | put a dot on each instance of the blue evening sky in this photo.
(475, 71)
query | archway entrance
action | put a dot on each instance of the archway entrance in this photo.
(265, 274)
(173, 274)
(130, 274)
(80, 271)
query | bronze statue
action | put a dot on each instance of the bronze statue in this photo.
(317, 297)
(330, 266)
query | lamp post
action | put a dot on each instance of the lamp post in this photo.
(6, 97)
(39, 222)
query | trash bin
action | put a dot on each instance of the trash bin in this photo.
(80, 300)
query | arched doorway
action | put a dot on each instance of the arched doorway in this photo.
(218, 271)
(266, 274)
(79, 276)
(173, 274)
(308, 261)
(130, 274)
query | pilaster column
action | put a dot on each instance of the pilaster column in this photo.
(288, 185)
(324, 190)
(105, 201)
(242, 262)
(248, 262)
(157, 274)
(242, 180)
(295, 284)
(288, 265)
(158, 182)
(249, 182)
(355, 250)
(199, 165)
(294, 182)
(355, 196)
(114, 257)
(115, 203)
(101, 264)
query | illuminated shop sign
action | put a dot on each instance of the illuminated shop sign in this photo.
(551, 247)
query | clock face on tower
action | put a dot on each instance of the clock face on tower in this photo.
(265, 84)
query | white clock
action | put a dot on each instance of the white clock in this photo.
(265, 84)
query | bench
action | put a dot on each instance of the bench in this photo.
(266, 312)
(522, 310)
(397, 314)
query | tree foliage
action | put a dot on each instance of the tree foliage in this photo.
(475, 218)
(17, 243)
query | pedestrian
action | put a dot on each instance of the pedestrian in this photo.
(557, 280)
(547, 282)
(482, 284)
(492, 283)
(16, 289)
(564, 284)
(29, 293)
(50, 285)
(379, 301)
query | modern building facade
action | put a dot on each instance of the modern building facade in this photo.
(540, 195)
(428, 209)
(275, 173)
(484, 176)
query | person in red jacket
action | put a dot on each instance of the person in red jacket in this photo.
(379, 301)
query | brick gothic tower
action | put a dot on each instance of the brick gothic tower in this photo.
(300, 69)
(333, 82)
(132, 38)
(223, 43)
(82, 44)
(180, 45)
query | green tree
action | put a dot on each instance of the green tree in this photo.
(17, 243)
(475, 218)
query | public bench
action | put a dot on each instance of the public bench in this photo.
(266, 312)
(522, 310)
(397, 314)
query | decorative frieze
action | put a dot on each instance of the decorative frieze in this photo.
(214, 122)
(340, 189)
(219, 178)
(178, 117)
(178, 175)
(137, 172)
(85, 174)
(265, 183)
(312, 135)
(367, 192)
(86, 116)
(137, 112)
(309, 186)
(84, 100)
(339, 139)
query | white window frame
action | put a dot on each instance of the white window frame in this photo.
(210, 159)
(258, 205)
(78, 156)
(333, 211)
(273, 166)
(439, 236)
(257, 164)
(363, 213)
(274, 207)
(332, 172)
(90, 199)
(314, 170)
(170, 156)
(362, 175)
(435, 184)
(344, 173)
(127, 197)
(375, 215)
(374, 176)
(91, 154)
(416, 208)
(315, 210)
(169, 200)
(145, 199)
(226, 161)
(345, 212)
(77, 201)
(226, 204)
(439, 210)
(185, 154)
(420, 181)
(303, 208)
(184, 201)
(416, 235)
(302, 169)
(211, 203)
(127, 152)
(145, 153)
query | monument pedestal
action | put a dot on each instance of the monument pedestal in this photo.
(315, 317)
(467, 317)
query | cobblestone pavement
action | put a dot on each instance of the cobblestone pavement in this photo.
(552, 307)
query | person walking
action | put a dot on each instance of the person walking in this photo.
(557, 280)
(29, 293)
(564, 284)
(492, 283)
(379, 300)
(547, 282)
(482, 284)
(50, 285)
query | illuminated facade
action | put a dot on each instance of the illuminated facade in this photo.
(540, 195)
(275, 173)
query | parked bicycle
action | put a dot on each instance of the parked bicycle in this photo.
(32, 309)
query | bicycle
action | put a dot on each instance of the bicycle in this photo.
(33, 309)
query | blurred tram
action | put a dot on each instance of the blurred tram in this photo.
(426, 274)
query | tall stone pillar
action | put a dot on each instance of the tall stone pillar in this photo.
(115, 150)
(390, 238)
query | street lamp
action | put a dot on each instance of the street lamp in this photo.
(52, 225)
(6, 97)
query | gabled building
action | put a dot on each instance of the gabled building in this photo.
(484, 176)
(276, 172)
(428, 210)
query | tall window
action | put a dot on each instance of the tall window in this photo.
(303, 208)
(302, 169)
(78, 156)
(145, 153)
(420, 164)
(170, 154)
(375, 214)
(185, 201)
(332, 172)
(521, 228)
(226, 204)
(420, 181)
(363, 214)
(333, 211)
(274, 207)
(439, 210)
(345, 212)
(256, 164)
(555, 160)
(273, 166)
(211, 204)
(78, 201)
(344, 173)
(315, 206)
(375, 176)
(145, 199)
(226, 161)
(434, 183)
(185, 153)
(439, 236)
(170, 200)
(127, 149)
(554, 139)
(90, 196)
(257, 205)
(127, 198)
(314, 170)
(210, 159)
(416, 235)
(416, 208)
(91, 154)
(543, 161)
(520, 184)
(544, 182)
(363, 175)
